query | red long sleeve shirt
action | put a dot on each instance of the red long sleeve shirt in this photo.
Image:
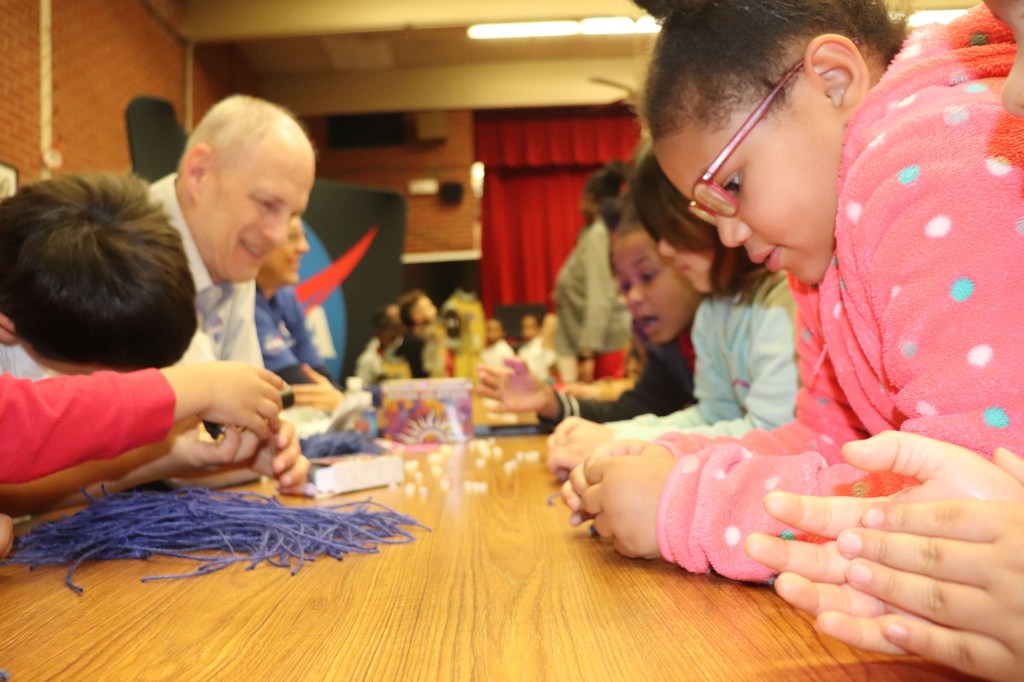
(57, 423)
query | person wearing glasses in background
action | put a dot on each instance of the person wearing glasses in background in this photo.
(896, 201)
(285, 341)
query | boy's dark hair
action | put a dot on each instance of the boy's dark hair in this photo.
(664, 213)
(712, 57)
(91, 272)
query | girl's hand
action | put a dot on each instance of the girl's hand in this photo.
(319, 393)
(875, 587)
(1011, 12)
(621, 495)
(228, 393)
(572, 441)
(947, 577)
(516, 389)
(573, 487)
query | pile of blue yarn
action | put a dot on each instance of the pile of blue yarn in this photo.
(213, 528)
(332, 443)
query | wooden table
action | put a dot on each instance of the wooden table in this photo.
(502, 588)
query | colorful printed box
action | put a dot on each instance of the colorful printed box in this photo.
(425, 411)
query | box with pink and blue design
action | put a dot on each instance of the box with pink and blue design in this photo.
(426, 411)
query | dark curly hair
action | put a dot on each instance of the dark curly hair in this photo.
(715, 56)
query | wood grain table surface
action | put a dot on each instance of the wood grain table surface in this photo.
(499, 588)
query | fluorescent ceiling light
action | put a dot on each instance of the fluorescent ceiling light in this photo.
(647, 24)
(599, 26)
(934, 16)
(525, 29)
(547, 29)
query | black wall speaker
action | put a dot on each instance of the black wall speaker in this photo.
(451, 192)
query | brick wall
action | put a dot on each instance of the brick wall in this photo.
(431, 225)
(219, 72)
(19, 86)
(105, 52)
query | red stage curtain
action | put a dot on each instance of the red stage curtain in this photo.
(536, 163)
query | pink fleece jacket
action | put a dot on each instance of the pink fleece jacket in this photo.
(915, 326)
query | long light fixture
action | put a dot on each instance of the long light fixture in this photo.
(624, 26)
(547, 29)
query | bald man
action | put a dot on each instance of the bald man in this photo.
(246, 172)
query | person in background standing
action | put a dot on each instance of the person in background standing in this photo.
(593, 322)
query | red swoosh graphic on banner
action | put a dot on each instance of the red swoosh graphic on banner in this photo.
(314, 290)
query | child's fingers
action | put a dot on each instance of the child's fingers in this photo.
(571, 499)
(963, 520)
(822, 516)
(563, 459)
(966, 651)
(568, 426)
(574, 487)
(274, 380)
(593, 469)
(225, 451)
(948, 603)
(863, 633)
(293, 478)
(516, 365)
(920, 567)
(816, 597)
(261, 420)
(1010, 463)
(819, 563)
(591, 505)
(908, 454)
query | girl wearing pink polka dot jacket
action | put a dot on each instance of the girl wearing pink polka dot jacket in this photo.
(889, 182)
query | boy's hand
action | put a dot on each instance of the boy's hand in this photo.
(282, 459)
(228, 393)
(621, 495)
(193, 451)
(319, 393)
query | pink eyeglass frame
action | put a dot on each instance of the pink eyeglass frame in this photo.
(725, 204)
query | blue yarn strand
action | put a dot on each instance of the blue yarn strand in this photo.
(216, 529)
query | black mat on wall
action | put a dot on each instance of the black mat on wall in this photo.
(155, 138)
(341, 214)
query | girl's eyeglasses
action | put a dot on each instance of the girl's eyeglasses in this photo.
(711, 199)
